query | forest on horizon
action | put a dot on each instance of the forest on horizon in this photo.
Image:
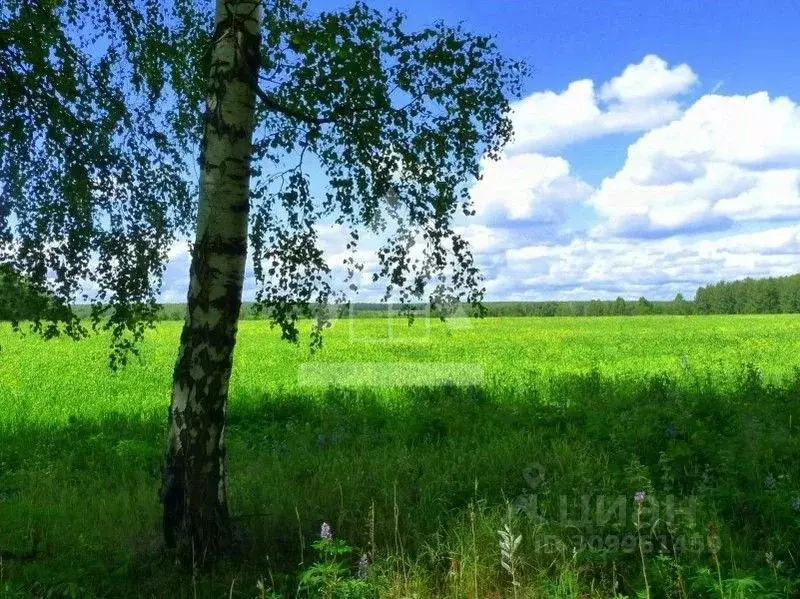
(770, 295)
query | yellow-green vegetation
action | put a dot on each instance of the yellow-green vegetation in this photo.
(547, 430)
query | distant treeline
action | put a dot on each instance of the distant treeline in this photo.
(775, 295)
(618, 307)
(749, 296)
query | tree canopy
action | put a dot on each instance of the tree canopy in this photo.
(20, 300)
(101, 113)
(93, 190)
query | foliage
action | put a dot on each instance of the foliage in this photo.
(92, 191)
(331, 577)
(399, 123)
(21, 300)
(92, 163)
(771, 295)
(509, 543)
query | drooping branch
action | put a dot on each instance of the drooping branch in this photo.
(273, 104)
(337, 114)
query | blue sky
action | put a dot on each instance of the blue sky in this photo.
(658, 147)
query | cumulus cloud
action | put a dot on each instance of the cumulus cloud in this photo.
(650, 79)
(588, 268)
(527, 187)
(727, 159)
(640, 98)
(668, 221)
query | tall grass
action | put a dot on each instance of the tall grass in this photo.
(521, 486)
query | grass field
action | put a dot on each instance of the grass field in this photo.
(547, 426)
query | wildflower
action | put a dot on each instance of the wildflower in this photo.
(363, 564)
(713, 540)
(796, 504)
(325, 532)
(455, 567)
(769, 482)
(639, 497)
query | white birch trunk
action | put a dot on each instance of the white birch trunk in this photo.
(196, 520)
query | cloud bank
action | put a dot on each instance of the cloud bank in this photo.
(709, 189)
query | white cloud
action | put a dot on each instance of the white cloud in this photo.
(486, 240)
(727, 159)
(587, 268)
(753, 131)
(527, 187)
(650, 79)
(723, 163)
(641, 98)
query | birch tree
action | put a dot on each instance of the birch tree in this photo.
(193, 491)
(103, 103)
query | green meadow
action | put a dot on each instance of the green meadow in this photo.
(417, 444)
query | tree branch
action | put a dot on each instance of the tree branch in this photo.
(273, 104)
(336, 114)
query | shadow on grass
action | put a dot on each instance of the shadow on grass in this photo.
(402, 469)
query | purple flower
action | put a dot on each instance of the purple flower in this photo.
(639, 497)
(325, 532)
(363, 564)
